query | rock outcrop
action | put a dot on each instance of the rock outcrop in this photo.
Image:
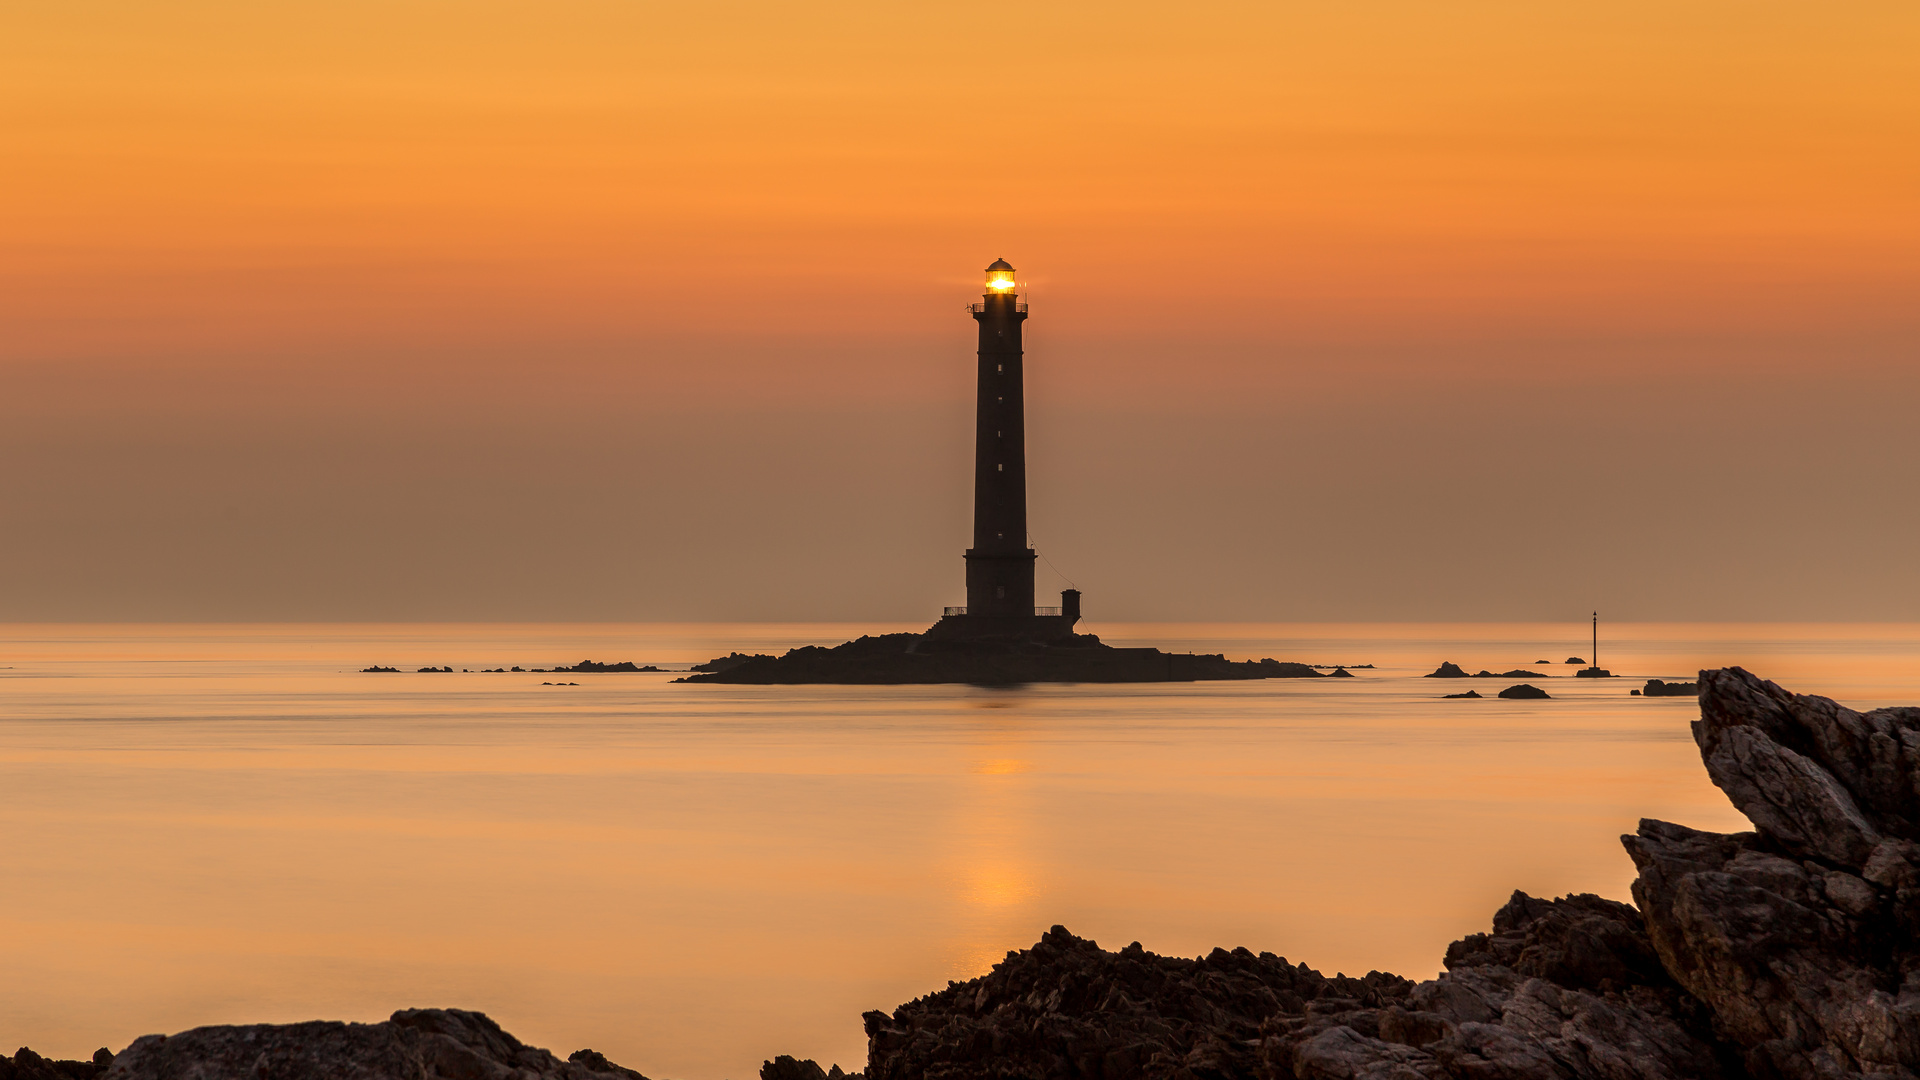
(27, 1065)
(1662, 688)
(923, 658)
(1525, 692)
(1802, 937)
(415, 1044)
(1559, 990)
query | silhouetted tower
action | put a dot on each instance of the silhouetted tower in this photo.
(1000, 564)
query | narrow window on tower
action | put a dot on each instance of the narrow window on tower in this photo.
(1002, 468)
(999, 367)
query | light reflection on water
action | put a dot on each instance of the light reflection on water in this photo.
(227, 823)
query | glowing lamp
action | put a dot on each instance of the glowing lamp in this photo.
(1000, 277)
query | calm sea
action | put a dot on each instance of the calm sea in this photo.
(211, 824)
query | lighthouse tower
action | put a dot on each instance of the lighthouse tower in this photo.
(1000, 562)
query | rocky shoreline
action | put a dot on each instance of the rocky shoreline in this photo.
(1788, 953)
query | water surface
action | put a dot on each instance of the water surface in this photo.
(209, 824)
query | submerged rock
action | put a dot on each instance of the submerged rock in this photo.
(1470, 693)
(415, 1044)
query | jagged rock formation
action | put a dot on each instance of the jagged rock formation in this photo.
(1560, 989)
(415, 1044)
(27, 1065)
(1066, 1008)
(923, 658)
(1804, 936)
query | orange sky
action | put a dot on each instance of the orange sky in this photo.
(222, 175)
(220, 214)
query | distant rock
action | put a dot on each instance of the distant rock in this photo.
(1455, 671)
(1470, 693)
(377, 669)
(27, 1065)
(1575, 660)
(1340, 673)
(1657, 688)
(591, 666)
(729, 661)
(788, 1068)
(416, 1044)
(909, 659)
(436, 669)
(1525, 692)
(1543, 661)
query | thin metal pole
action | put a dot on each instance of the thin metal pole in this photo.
(1596, 640)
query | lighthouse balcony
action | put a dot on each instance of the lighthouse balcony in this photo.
(1037, 611)
(979, 307)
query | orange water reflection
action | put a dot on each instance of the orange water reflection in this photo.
(212, 824)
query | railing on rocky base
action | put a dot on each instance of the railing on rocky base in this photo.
(1036, 611)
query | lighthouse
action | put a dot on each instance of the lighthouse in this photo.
(1000, 562)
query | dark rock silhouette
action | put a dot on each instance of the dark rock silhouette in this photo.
(1340, 673)
(920, 658)
(27, 1065)
(1470, 693)
(1593, 673)
(1560, 989)
(1657, 688)
(1455, 671)
(416, 1044)
(1804, 936)
(377, 669)
(729, 661)
(591, 666)
(1543, 661)
(788, 1068)
(1576, 660)
(1525, 692)
(435, 670)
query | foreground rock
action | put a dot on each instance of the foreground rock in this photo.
(27, 1065)
(921, 658)
(415, 1044)
(1560, 989)
(1803, 937)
